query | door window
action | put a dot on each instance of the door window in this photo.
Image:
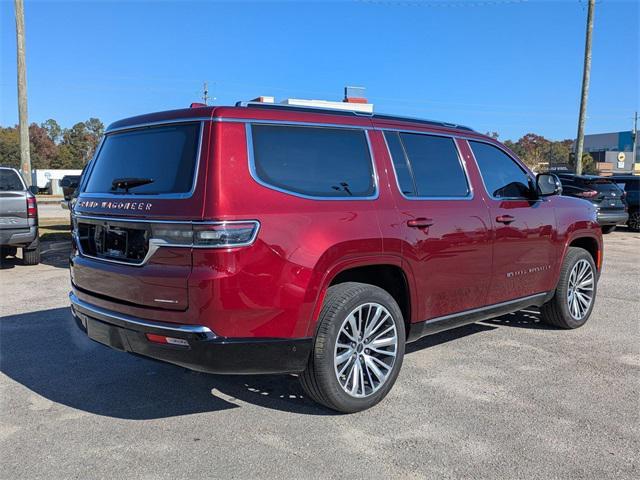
(502, 176)
(427, 165)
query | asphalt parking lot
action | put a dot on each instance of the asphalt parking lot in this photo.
(508, 398)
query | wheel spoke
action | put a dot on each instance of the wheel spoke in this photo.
(343, 357)
(383, 352)
(384, 342)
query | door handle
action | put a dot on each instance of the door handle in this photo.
(506, 219)
(420, 222)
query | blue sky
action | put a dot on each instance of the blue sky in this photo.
(507, 66)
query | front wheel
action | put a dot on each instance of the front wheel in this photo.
(358, 349)
(575, 294)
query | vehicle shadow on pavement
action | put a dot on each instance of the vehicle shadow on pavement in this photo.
(45, 352)
(528, 318)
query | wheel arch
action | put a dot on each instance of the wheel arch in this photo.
(383, 272)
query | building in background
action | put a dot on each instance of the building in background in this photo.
(613, 152)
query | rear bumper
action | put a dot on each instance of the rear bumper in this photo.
(205, 353)
(19, 236)
(612, 218)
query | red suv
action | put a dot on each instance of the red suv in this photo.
(266, 238)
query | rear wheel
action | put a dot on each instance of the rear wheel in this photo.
(634, 222)
(608, 229)
(575, 294)
(358, 349)
(31, 256)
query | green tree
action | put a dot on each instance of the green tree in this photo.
(54, 131)
(9, 147)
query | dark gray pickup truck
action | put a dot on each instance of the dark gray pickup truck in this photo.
(18, 218)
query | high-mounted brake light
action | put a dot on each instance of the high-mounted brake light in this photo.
(32, 207)
(587, 194)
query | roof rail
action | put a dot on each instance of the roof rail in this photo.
(333, 111)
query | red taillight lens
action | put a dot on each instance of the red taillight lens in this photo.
(229, 234)
(32, 207)
(587, 194)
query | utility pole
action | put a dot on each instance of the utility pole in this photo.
(25, 156)
(205, 94)
(634, 138)
(586, 75)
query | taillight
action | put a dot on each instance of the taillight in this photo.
(587, 194)
(234, 234)
(212, 235)
(32, 207)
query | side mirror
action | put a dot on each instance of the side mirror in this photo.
(548, 184)
(34, 189)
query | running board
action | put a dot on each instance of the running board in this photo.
(447, 322)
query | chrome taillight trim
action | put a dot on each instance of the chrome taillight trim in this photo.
(155, 244)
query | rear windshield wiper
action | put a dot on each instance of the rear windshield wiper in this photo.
(126, 183)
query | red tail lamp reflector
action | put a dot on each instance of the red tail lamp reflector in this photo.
(152, 337)
(588, 194)
(32, 208)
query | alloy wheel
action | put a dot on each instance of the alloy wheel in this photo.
(580, 290)
(365, 350)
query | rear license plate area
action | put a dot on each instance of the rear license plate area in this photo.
(116, 243)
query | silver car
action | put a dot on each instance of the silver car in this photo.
(18, 218)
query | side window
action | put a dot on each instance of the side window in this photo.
(314, 161)
(435, 165)
(502, 176)
(400, 164)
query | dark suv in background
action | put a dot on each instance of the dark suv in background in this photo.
(631, 186)
(605, 195)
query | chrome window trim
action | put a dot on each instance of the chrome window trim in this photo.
(159, 196)
(520, 165)
(463, 164)
(155, 244)
(254, 174)
(104, 314)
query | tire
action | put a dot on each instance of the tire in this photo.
(608, 229)
(31, 256)
(559, 311)
(354, 393)
(634, 222)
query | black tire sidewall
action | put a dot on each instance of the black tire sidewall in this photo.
(324, 355)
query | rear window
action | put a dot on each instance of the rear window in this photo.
(313, 161)
(9, 181)
(603, 186)
(166, 155)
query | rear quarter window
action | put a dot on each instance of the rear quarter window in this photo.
(10, 181)
(313, 161)
(166, 155)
